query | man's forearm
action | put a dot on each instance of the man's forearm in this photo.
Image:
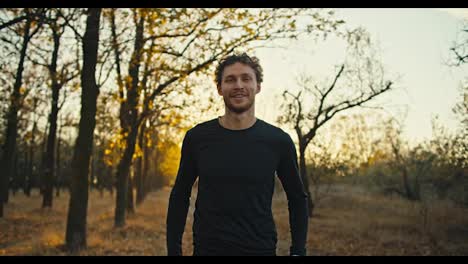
(298, 219)
(176, 218)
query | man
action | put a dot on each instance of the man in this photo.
(235, 158)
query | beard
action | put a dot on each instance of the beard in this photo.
(239, 109)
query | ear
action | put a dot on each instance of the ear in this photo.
(218, 87)
(259, 88)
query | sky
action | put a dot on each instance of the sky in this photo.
(415, 46)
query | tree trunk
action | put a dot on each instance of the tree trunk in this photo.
(40, 177)
(9, 147)
(146, 186)
(128, 122)
(14, 180)
(138, 180)
(100, 171)
(32, 179)
(139, 167)
(24, 171)
(305, 178)
(27, 175)
(76, 220)
(130, 203)
(58, 176)
(123, 170)
(49, 172)
(92, 168)
(409, 193)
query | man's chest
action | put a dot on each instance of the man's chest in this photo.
(246, 160)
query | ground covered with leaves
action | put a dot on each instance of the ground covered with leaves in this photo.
(347, 221)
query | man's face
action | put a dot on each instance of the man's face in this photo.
(238, 87)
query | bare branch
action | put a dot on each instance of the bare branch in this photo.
(324, 96)
(13, 21)
(67, 20)
(195, 27)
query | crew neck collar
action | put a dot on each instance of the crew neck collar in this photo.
(236, 130)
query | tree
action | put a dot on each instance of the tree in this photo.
(63, 155)
(345, 149)
(76, 220)
(400, 161)
(59, 76)
(460, 48)
(461, 111)
(314, 105)
(32, 109)
(106, 129)
(450, 150)
(7, 22)
(31, 27)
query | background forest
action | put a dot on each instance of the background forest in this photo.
(95, 103)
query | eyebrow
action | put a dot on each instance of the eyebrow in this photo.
(241, 75)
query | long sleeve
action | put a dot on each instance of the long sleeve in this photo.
(179, 200)
(288, 173)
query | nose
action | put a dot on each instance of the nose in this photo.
(238, 84)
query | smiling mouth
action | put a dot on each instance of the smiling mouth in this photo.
(239, 96)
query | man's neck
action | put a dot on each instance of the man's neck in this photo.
(235, 121)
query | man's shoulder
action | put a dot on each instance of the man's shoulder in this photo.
(202, 127)
(205, 124)
(275, 131)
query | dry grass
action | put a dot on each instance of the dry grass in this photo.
(349, 221)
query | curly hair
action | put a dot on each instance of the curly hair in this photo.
(243, 58)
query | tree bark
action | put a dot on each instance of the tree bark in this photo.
(32, 178)
(123, 170)
(129, 124)
(27, 174)
(130, 196)
(58, 178)
(146, 184)
(9, 147)
(77, 212)
(49, 171)
(139, 167)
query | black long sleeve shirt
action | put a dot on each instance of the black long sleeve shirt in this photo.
(236, 171)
